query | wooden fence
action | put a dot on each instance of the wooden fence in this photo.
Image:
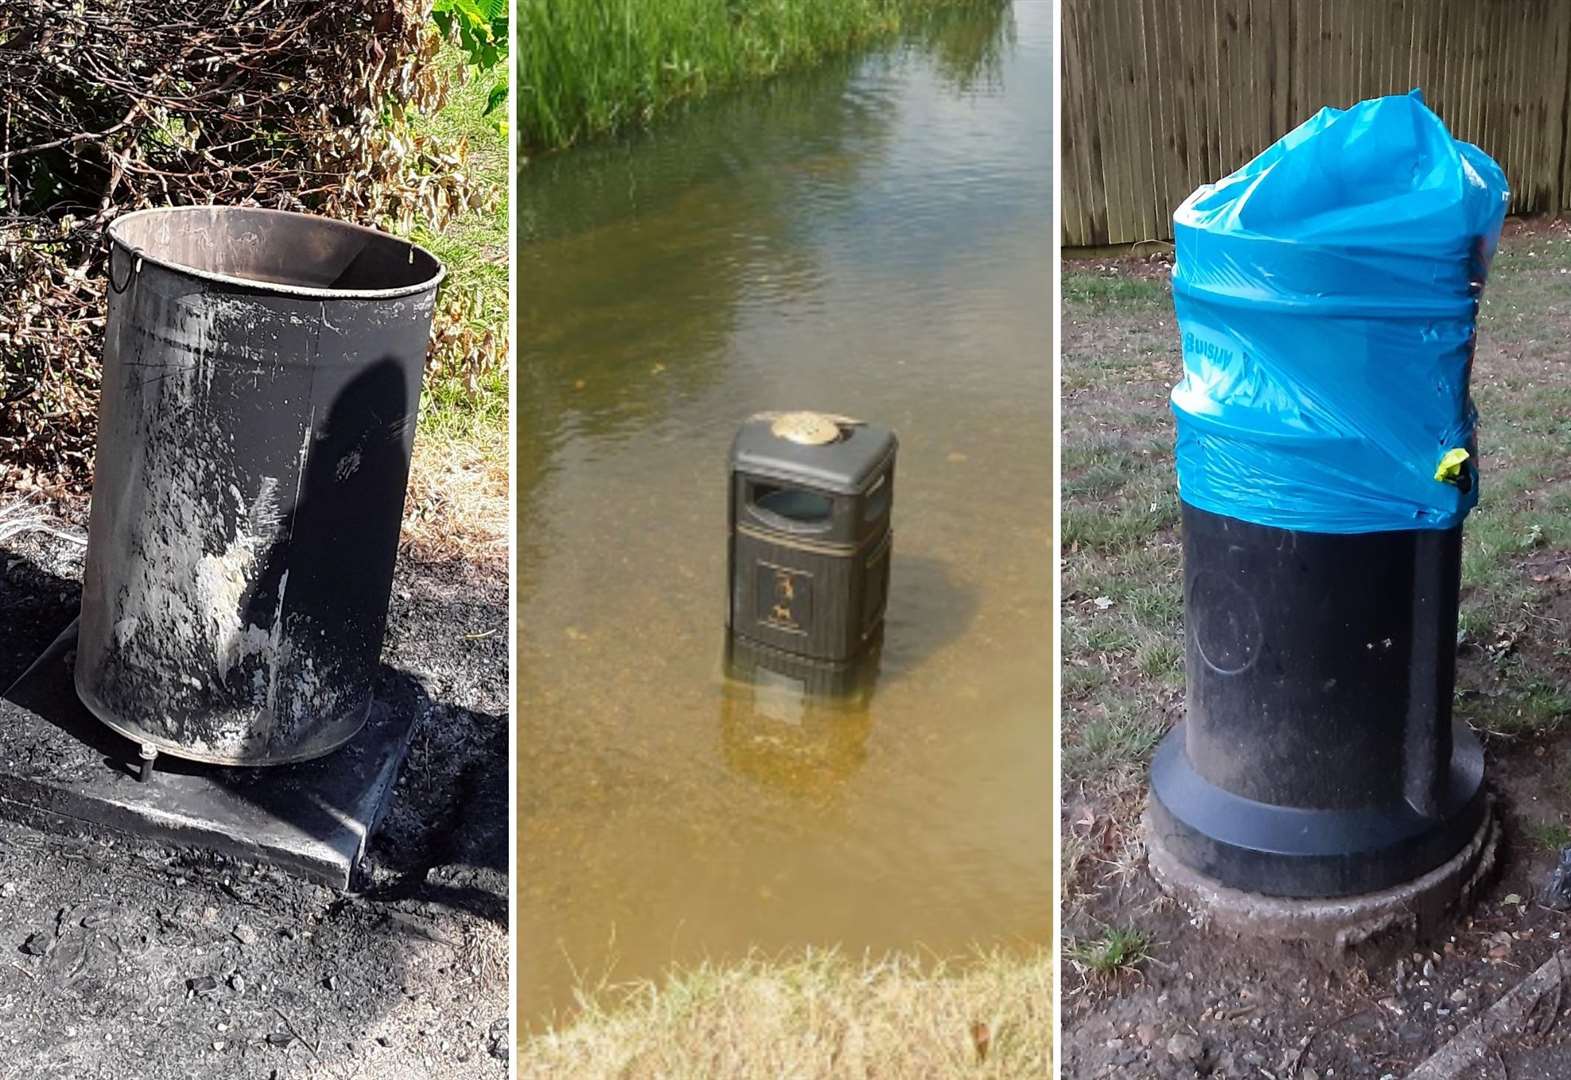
(1161, 96)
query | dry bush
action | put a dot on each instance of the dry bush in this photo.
(108, 106)
(457, 503)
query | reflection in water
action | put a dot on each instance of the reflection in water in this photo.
(872, 239)
(795, 726)
(967, 51)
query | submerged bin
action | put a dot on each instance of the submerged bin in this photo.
(811, 502)
(794, 725)
(262, 373)
(1326, 296)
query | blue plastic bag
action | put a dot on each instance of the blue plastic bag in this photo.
(1326, 296)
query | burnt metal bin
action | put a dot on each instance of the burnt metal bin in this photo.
(811, 504)
(1318, 756)
(261, 384)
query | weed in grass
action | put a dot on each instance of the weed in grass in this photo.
(1104, 464)
(1529, 705)
(1119, 527)
(1541, 706)
(1115, 952)
(1558, 504)
(1082, 680)
(1549, 835)
(1158, 606)
(1102, 448)
(1097, 481)
(1081, 640)
(1489, 542)
(1121, 739)
(1161, 659)
(1109, 636)
(1113, 463)
(1475, 623)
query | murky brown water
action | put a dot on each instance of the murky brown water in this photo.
(873, 238)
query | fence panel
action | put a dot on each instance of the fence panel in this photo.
(1161, 96)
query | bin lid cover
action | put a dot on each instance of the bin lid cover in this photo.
(819, 450)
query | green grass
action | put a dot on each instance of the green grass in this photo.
(1082, 680)
(1122, 629)
(458, 483)
(1549, 835)
(474, 247)
(1102, 291)
(1116, 952)
(1527, 703)
(590, 67)
(1122, 525)
(1121, 739)
(464, 416)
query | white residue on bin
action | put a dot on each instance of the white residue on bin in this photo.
(179, 625)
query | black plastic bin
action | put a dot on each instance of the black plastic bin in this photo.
(262, 375)
(1319, 756)
(1326, 296)
(812, 500)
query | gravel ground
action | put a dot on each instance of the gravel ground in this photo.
(1208, 1003)
(129, 962)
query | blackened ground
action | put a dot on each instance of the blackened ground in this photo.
(126, 962)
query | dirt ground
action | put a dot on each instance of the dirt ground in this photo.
(1197, 1002)
(126, 962)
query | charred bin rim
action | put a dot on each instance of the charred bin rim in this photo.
(138, 235)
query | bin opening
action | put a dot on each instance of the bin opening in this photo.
(797, 506)
(251, 245)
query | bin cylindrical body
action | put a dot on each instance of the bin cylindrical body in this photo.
(261, 381)
(1318, 756)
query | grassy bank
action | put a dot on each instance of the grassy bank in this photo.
(590, 67)
(820, 1015)
(458, 491)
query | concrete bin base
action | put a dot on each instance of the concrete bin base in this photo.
(1422, 907)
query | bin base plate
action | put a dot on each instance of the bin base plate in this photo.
(1420, 908)
(62, 770)
(1311, 852)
